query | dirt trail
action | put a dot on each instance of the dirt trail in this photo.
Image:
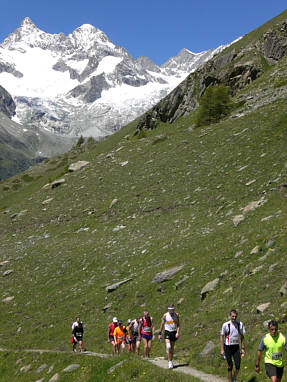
(160, 362)
(188, 370)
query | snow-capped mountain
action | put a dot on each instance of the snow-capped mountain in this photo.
(83, 84)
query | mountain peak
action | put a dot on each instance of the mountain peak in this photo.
(27, 26)
(27, 21)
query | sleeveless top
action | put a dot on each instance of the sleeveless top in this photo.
(146, 326)
(171, 322)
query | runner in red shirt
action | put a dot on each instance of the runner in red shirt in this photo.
(146, 332)
(111, 330)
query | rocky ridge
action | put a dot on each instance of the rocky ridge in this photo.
(235, 67)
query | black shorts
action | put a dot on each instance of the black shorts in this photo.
(130, 341)
(111, 339)
(232, 351)
(79, 339)
(170, 336)
(273, 371)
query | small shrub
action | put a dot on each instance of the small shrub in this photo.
(80, 142)
(215, 104)
(141, 134)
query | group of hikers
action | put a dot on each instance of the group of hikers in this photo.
(232, 344)
(141, 329)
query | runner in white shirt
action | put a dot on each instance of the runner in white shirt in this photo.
(231, 335)
(170, 322)
(76, 323)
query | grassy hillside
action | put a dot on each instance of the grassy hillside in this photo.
(143, 205)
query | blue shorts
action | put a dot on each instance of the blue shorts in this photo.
(148, 337)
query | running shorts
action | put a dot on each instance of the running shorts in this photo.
(170, 335)
(111, 339)
(232, 351)
(273, 371)
(148, 337)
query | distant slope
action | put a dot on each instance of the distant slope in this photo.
(21, 147)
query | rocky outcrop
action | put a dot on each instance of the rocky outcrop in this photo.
(275, 43)
(91, 90)
(7, 105)
(235, 69)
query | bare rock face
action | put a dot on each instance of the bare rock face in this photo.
(275, 43)
(234, 69)
(7, 105)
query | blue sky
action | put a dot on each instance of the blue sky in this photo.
(157, 29)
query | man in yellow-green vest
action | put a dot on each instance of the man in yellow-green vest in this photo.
(273, 344)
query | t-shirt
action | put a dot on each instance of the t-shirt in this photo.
(78, 332)
(135, 328)
(119, 334)
(232, 335)
(112, 327)
(74, 325)
(273, 347)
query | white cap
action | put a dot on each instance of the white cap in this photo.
(115, 319)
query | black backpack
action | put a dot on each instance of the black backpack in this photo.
(237, 324)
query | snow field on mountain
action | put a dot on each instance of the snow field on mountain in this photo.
(39, 79)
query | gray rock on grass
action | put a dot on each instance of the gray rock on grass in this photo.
(8, 299)
(55, 378)
(25, 369)
(57, 183)
(41, 368)
(207, 348)
(72, 367)
(209, 287)
(112, 287)
(262, 307)
(167, 274)
(77, 166)
(8, 272)
(283, 289)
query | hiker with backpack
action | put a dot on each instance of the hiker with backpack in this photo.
(231, 336)
(170, 323)
(146, 332)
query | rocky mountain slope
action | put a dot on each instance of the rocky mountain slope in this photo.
(183, 214)
(237, 66)
(82, 84)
